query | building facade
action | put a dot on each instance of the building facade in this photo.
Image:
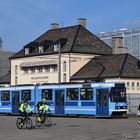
(131, 39)
(56, 55)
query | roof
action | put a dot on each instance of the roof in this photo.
(5, 79)
(73, 39)
(109, 66)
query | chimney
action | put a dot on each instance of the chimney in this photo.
(54, 26)
(117, 45)
(82, 21)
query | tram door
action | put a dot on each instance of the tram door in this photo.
(15, 101)
(59, 102)
(102, 103)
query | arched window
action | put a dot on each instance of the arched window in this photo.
(133, 85)
(64, 66)
(64, 78)
(16, 68)
(138, 85)
(16, 80)
(128, 85)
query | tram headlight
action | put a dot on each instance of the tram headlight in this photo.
(117, 107)
(124, 107)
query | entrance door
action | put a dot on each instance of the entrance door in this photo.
(102, 104)
(59, 101)
(15, 101)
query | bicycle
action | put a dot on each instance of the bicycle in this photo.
(21, 121)
(43, 119)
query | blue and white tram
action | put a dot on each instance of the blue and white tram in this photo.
(99, 99)
(11, 97)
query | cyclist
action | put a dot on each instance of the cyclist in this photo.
(42, 108)
(24, 107)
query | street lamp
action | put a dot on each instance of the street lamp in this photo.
(59, 63)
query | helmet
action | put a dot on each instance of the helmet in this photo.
(43, 100)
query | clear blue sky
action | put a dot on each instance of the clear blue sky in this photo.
(22, 21)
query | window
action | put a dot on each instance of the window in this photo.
(99, 98)
(16, 80)
(25, 70)
(64, 66)
(64, 78)
(47, 94)
(41, 49)
(39, 69)
(26, 95)
(26, 50)
(16, 68)
(33, 70)
(56, 47)
(72, 94)
(54, 67)
(47, 68)
(128, 85)
(86, 94)
(138, 85)
(5, 95)
(133, 85)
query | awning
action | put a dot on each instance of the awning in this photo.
(38, 63)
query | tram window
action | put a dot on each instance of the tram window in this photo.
(26, 95)
(86, 94)
(5, 96)
(105, 100)
(47, 94)
(72, 94)
(98, 98)
(118, 95)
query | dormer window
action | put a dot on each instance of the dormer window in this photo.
(27, 50)
(41, 49)
(56, 47)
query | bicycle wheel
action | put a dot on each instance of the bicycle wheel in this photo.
(37, 122)
(29, 123)
(48, 121)
(20, 123)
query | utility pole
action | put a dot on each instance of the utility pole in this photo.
(59, 63)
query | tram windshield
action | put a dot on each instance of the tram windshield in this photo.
(118, 94)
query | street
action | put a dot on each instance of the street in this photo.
(72, 129)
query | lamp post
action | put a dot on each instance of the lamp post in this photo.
(59, 63)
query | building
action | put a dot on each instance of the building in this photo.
(114, 68)
(131, 39)
(56, 55)
(5, 67)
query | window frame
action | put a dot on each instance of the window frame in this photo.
(48, 93)
(77, 94)
(86, 95)
(8, 95)
(29, 95)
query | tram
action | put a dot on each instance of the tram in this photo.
(98, 99)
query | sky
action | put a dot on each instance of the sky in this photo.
(22, 21)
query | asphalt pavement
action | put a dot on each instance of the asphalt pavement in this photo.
(64, 128)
